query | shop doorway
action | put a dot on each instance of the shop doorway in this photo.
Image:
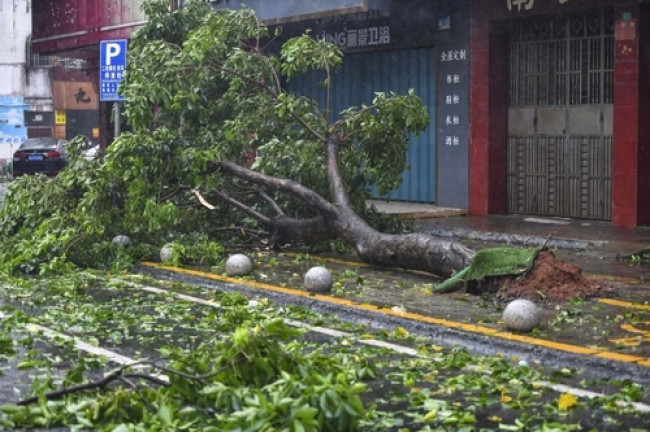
(560, 95)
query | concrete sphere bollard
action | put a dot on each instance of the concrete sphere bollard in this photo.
(166, 253)
(521, 315)
(318, 279)
(121, 240)
(238, 265)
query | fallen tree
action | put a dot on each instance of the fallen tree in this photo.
(255, 110)
(339, 220)
(216, 141)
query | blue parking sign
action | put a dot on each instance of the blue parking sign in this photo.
(112, 63)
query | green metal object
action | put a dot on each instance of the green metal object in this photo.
(501, 261)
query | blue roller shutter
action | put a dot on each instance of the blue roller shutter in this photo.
(361, 76)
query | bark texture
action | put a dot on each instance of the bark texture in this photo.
(284, 229)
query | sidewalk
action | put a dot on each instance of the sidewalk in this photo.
(579, 233)
(596, 246)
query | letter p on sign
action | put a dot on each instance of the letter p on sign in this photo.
(112, 50)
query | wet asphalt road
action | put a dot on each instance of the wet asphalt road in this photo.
(450, 332)
(16, 380)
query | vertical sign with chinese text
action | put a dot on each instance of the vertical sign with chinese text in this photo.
(112, 63)
(453, 121)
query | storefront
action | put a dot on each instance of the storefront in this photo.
(69, 33)
(396, 46)
(76, 105)
(556, 98)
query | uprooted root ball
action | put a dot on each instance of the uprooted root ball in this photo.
(552, 280)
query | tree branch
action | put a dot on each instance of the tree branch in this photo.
(243, 230)
(337, 186)
(241, 206)
(270, 201)
(336, 125)
(232, 201)
(202, 200)
(265, 60)
(327, 209)
(169, 195)
(272, 93)
(113, 376)
(119, 375)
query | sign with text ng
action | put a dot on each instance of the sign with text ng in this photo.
(278, 11)
(112, 63)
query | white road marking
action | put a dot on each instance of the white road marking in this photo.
(91, 349)
(322, 330)
(372, 342)
(81, 345)
(180, 296)
(561, 388)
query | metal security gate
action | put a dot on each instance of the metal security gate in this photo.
(560, 115)
(361, 76)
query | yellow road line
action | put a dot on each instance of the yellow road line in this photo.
(473, 328)
(621, 357)
(368, 265)
(624, 304)
(622, 279)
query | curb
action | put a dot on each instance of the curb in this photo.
(593, 365)
(509, 239)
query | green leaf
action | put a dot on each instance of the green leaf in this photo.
(165, 414)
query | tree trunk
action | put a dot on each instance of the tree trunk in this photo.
(338, 220)
(284, 229)
(414, 251)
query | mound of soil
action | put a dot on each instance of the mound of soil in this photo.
(552, 280)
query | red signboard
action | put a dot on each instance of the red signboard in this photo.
(60, 25)
(625, 30)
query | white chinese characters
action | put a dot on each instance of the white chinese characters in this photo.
(525, 5)
(361, 37)
(453, 55)
(519, 4)
(453, 79)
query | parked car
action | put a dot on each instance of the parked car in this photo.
(40, 155)
(90, 152)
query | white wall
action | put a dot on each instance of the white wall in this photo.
(15, 16)
(39, 85)
(16, 19)
(15, 28)
(12, 79)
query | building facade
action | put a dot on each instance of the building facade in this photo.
(557, 109)
(397, 45)
(16, 96)
(69, 34)
(536, 106)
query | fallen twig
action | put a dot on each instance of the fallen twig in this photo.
(116, 375)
